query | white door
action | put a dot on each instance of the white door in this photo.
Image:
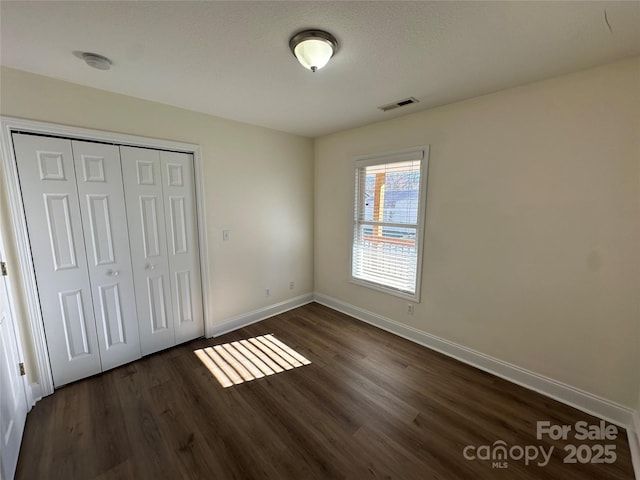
(99, 180)
(182, 244)
(50, 197)
(142, 175)
(13, 400)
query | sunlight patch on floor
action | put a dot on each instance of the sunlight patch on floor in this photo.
(245, 360)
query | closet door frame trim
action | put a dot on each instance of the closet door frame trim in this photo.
(9, 125)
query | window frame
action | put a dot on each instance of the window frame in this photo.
(422, 153)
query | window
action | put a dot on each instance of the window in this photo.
(389, 211)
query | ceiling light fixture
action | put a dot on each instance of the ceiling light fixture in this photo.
(313, 48)
(96, 61)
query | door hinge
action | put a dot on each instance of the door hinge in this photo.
(3, 266)
(22, 371)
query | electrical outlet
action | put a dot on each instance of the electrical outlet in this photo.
(292, 285)
(409, 308)
(267, 292)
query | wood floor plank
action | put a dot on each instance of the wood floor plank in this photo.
(370, 405)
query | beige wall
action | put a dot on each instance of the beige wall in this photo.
(533, 217)
(259, 184)
(532, 225)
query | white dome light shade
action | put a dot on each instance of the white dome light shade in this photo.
(313, 54)
(313, 48)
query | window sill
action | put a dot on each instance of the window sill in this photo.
(415, 298)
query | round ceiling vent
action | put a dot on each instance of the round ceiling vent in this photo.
(96, 61)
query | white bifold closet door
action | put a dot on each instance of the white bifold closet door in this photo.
(160, 197)
(76, 221)
(99, 180)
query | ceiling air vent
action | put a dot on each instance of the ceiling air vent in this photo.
(398, 104)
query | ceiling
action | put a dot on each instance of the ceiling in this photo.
(231, 59)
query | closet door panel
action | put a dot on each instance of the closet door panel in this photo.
(99, 179)
(142, 175)
(50, 197)
(183, 252)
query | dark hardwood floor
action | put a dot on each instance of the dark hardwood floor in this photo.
(370, 405)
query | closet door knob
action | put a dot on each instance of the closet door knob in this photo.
(149, 266)
(113, 273)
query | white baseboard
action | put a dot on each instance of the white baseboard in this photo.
(254, 316)
(585, 401)
(633, 434)
(34, 394)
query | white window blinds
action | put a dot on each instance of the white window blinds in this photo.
(388, 221)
